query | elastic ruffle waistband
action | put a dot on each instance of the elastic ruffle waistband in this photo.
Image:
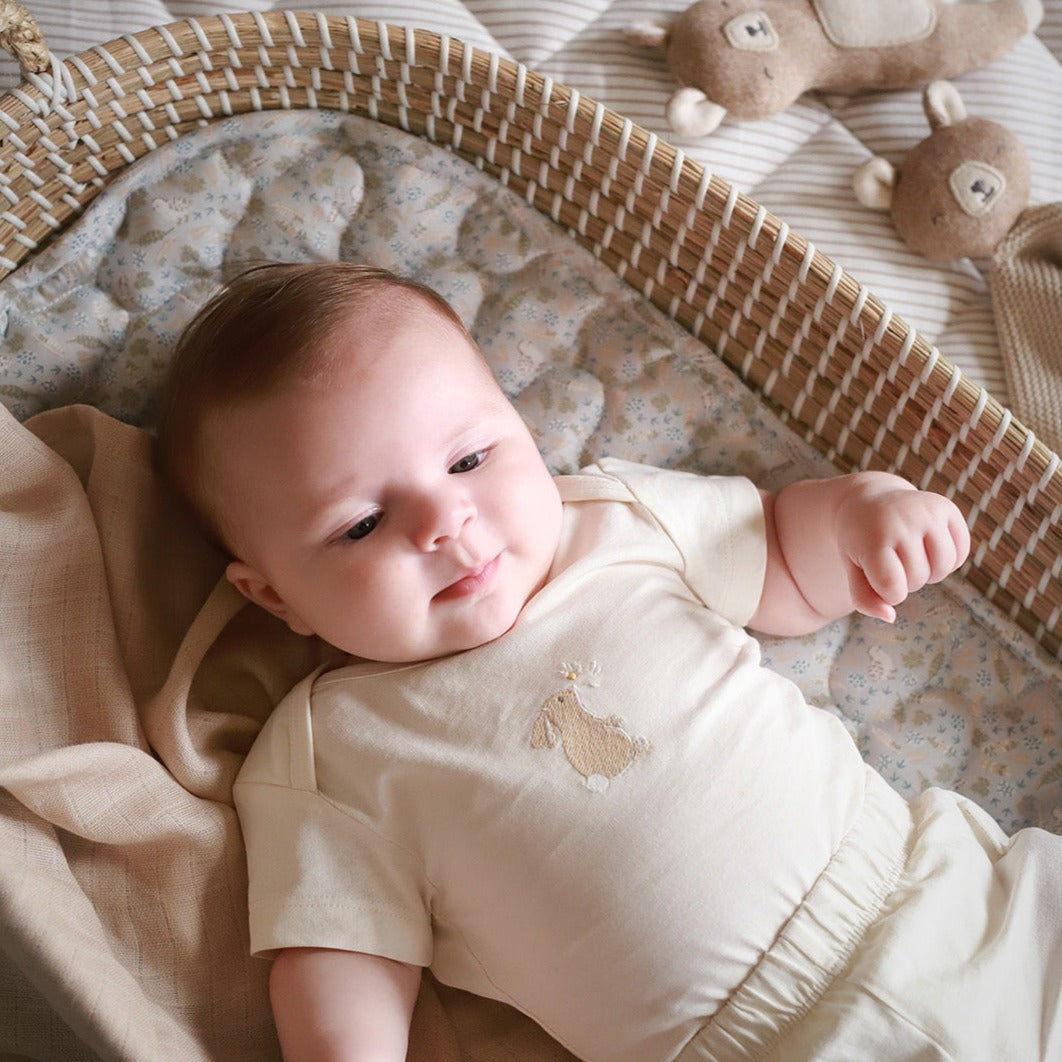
(819, 939)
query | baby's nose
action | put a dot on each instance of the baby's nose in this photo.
(443, 519)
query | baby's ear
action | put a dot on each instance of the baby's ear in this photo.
(259, 590)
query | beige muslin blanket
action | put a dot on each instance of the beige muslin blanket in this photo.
(131, 685)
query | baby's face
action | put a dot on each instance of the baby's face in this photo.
(398, 509)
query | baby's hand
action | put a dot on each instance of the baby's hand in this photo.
(894, 539)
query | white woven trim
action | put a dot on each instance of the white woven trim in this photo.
(145, 57)
(263, 30)
(492, 70)
(573, 105)
(594, 140)
(354, 36)
(988, 495)
(728, 206)
(1052, 620)
(683, 230)
(664, 202)
(757, 225)
(802, 333)
(862, 408)
(645, 168)
(772, 326)
(783, 305)
(1048, 577)
(292, 22)
(521, 85)
(935, 470)
(56, 88)
(1029, 546)
(702, 268)
(325, 34)
(200, 35)
(818, 372)
(860, 302)
(709, 253)
(1005, 526)
(894, 414)
(385, 40)
(621, 148)
(233, 34)
(466, 66)
(919, 436)
(826, 298)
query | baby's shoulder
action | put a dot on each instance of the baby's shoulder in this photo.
(282, 753)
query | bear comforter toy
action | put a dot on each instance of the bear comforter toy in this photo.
(963, 192)
(752, 58)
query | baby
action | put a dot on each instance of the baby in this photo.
(554, 770)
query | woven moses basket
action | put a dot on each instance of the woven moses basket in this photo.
(814, 344)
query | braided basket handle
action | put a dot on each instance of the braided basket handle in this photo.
(21, 35)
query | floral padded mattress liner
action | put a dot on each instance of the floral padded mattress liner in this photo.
(950, 695)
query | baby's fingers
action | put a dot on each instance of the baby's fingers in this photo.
(892, 574)
(878, 583)
(942, 555)
(960, 536)
(865, 599)
(947, 548)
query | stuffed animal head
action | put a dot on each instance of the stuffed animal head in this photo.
(959, 191)
(752, 58)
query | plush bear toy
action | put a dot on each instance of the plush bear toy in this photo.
(752, 58)
(959, 191)
(963, 192)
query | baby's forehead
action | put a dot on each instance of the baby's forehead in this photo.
(394, 307)
(363, 339)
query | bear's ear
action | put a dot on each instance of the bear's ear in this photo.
(943, 104)
(873, 183)
(691, 113)
(648, 34)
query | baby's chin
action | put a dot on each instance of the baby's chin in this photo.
(455, 626)
(423, 650)
(464, 641)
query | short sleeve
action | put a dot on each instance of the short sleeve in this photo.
(717, 525)
(317, 875)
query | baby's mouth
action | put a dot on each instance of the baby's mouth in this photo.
(474, 581)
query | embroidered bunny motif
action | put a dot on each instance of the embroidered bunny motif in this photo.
(599, 749)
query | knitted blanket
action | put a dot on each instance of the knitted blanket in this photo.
(1026, 283)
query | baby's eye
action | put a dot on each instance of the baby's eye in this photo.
(362, 527)
(468, 462)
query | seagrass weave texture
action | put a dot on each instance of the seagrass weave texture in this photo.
(847, 374)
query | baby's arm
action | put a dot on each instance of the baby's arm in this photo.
(331, 1005)
(860, 543)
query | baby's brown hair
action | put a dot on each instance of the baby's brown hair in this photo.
(267, 327)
